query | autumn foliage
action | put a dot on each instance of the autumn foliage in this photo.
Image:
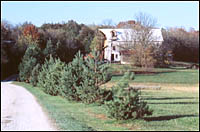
(31, 30)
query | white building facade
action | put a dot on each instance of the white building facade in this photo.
(116, 38)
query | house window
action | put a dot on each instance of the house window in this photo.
(113, 33)
(116, 56)
(112, 57)
(113, 47)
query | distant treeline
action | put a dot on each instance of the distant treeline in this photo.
(183, 45)
(70, 36)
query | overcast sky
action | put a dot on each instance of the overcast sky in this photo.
(168, 14)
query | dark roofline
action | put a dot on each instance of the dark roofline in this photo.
(8, 42)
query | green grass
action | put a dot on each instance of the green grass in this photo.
(173, 110)
(126, 67)
(72, 115)
(179, 77)
(56, 108)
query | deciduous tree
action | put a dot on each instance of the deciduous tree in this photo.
(142, 44)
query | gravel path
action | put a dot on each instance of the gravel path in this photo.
(20, 110)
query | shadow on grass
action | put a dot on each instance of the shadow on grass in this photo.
(171, 98)
(178, 68)
(117, 75)
(150, 73)
(167, 98)
(168, 117)
(176, 103)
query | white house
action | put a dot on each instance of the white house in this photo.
(114, 38)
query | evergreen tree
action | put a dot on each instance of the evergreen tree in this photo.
(71, 78)
(32, 57)
(126, 103)
(34, 74)
(50, 49)
(129, 75)
(49, 76)
(81, 79)
(94, 74)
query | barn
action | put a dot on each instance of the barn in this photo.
(117, 38)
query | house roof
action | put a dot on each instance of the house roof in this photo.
(128, 34)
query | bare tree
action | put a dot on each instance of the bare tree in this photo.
(146, 20)
(108, 23)
(140, 41)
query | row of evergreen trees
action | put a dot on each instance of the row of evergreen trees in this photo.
(80, 80)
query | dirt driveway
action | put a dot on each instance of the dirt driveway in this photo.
(20, 110)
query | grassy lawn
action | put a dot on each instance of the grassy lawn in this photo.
(187, 76)
(122, 68)
(71, 115)
(173, 110)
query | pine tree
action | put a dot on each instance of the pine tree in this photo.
(81, 79)
(49, 76)
(95, 74)
(50, 49)
(126, 103)
(71, 78)
(129, 75)
(34, 74)
(32, 57)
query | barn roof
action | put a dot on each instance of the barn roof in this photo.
(128, 34)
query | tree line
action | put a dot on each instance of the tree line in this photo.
(61, 40)
(183, 45)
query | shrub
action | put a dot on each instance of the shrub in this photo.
(32, 57)
(126, 103)
(129, 75)
(50, 49)
(81, 79)
(95, 74)
(71, 78)
(34, 74)
(105, 95)
(49, 76)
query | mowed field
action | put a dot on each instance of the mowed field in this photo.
(175, 106)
